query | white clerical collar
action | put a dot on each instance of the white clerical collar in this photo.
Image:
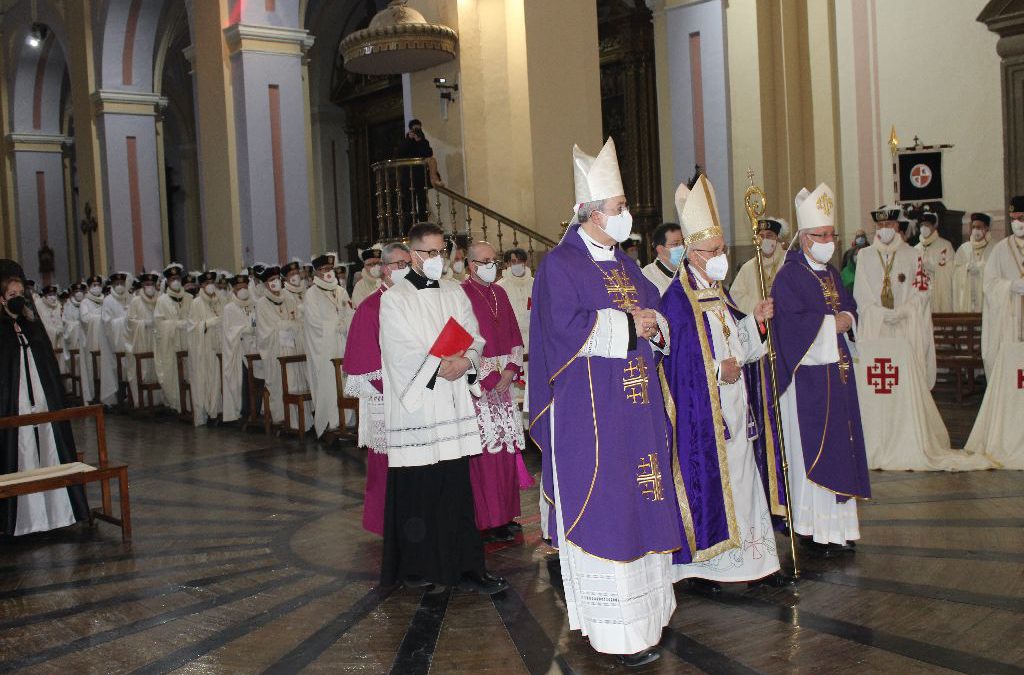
(814, 264)
(597, 251)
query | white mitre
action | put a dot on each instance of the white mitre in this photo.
(596, 178)
(815, 209)
(698, 211)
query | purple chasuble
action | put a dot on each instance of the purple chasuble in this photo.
(699, 434)
(610, 437)
(362, 349)
(826, 396)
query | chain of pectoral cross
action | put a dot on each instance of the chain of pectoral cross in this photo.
(831, 295)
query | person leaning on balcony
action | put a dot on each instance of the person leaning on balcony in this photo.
(416, 146)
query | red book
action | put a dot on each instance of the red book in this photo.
(453, 339)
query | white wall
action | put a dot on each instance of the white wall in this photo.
(931, 69)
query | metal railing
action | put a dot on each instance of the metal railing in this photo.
(405, 194)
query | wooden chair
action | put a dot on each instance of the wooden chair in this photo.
(95, 358)
(290, 398)
(253, 419)
(147, 390)
(187, 413)
(74, 379)
(344, 403)
(73, 473)
(958, 349)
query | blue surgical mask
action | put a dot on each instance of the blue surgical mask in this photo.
(676, 255)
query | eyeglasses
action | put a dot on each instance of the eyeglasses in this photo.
(721, 250)
(824, 236)
(431, 253)
(485, 263)
(622, 209)
(398, 265)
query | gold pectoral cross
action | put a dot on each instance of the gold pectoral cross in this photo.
(828, 289)
(621, 288)
(648, 478)
(634, 381)
(844, 368)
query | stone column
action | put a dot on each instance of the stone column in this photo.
(1007, 20)
(126, 122)
(271, 126)
(38, 169)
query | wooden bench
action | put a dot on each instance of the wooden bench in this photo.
(184, 389)
(73, 378)
(253, 419)
(147, 390)
(344, 403)
(95, 359)
(958, 349)
(290, 398)
(73, 473)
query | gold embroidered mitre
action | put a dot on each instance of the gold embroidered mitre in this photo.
(698, 212)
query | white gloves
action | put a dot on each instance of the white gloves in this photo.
(892, 317)
(1017, 287)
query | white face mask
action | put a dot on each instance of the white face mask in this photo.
(886, 234)
(433, 268)
(518, 270)
(274, 285)
(175, 285)
(768, 246)
(242, 294)
(717, 268)
(374, 271)
(329, 277)
(210, 289)
(822, 252)
(150, 291)
(620, 226)
(398, 275)
(487, 273)
(96, 290)
(458, 266)
(926, 231)
(1018, 227)
(79, 296)
(977, 234)
(295, 280)
(50, 300)
(119, 289)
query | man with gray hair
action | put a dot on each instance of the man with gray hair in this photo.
(365, 381)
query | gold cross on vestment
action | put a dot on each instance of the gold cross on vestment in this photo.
(649, 478)
(634, 381)
(621, 288)
(844, 368)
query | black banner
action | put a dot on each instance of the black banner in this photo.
(920, 176)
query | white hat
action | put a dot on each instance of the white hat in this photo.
(698, 211)
(596, 178)
(815, 209)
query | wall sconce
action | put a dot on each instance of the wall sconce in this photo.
(447, 91)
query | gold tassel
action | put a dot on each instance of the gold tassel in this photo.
(887, 300)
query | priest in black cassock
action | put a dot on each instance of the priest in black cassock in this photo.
(30, 383)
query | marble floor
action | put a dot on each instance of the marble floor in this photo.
(248, 557)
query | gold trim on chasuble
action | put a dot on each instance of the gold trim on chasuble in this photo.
(723, 461)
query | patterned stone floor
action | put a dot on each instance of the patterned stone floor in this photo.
(249, 557)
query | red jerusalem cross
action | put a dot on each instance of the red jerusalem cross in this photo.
(883, 376)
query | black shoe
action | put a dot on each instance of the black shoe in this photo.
(704, 587)
(483, 583)
(416, 583)
(776, 580)
(498, 534)
(436, 589)
(514, 527)
(640, 658)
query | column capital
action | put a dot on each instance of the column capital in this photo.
(37, 142)
(243, 37)
(120, 102)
